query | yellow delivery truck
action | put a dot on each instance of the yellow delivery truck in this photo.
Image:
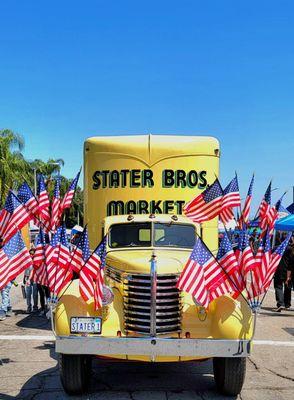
(135, 188)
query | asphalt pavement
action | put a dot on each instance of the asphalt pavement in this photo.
(29, 367)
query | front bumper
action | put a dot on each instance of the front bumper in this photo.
(152, 346)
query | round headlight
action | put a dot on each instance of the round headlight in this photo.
(108, 296)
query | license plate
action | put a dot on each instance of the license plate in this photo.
(85, 325)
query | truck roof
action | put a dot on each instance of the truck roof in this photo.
(153, 148)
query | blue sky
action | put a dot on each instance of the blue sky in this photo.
(70, 70)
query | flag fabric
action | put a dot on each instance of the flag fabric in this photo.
(40, 275)
(39, 260)
(14, 259)
(262, 261)
(51, 250)
(264, 265)
(67, 199)
(200, 275)
(81, 252)
(43, 199)
(57, 259)
(207, 205)
(231, 199)
(264, 207)
(62, 253)
(227, 215)
(13, 217)
(230, 279)
(274, 213)
(247, 260)
(40, 246)
(27, 198)
(246, 210)
(58, 277)
(55, 209)
(92, 274)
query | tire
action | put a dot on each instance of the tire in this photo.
(75, 372)
(229, 374)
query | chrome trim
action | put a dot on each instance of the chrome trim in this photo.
(153, 347)
(113, 273)
(153, 293)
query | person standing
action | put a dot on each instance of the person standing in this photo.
(5, 306)
(31, 288)
(282, 278)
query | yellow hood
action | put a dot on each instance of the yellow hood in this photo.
(138, 261)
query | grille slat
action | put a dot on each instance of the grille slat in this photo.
(137, 302)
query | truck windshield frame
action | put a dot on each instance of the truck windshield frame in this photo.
(152, 234)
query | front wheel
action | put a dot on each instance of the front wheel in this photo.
(75, 372)
(229, 374)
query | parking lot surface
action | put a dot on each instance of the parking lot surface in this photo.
(29, 365)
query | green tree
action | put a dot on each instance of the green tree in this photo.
(13, 166)
(49, 169)
(14, 169)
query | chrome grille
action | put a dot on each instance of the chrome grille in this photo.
(137, 303)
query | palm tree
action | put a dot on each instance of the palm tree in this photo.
(13, 166)
(49, 169)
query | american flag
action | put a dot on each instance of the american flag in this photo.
(231, 199)
(264, 207)
(58, 277)
(81, 252)
(13, 217)
(275, 260)
(66, 201)
(246, 210)
(55, 209)
(27, 198)
(259, 271)
(231, 275)
(200, 274)
(207, 205)
(92, 275)
(14, 259)
(274, 213)
(43, 199)
(62, 254)
(40, 244)
(57, 259)
(247, 261)
(265, 259)
(51, 251)
(227, 278)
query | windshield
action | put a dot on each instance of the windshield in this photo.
(139, 235)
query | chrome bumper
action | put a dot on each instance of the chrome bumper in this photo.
(152, 347)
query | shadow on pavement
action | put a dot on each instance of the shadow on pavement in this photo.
(127, 380)
(289, 330)
(270, 311)
(33, 321)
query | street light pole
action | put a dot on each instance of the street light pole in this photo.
(35, 181)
